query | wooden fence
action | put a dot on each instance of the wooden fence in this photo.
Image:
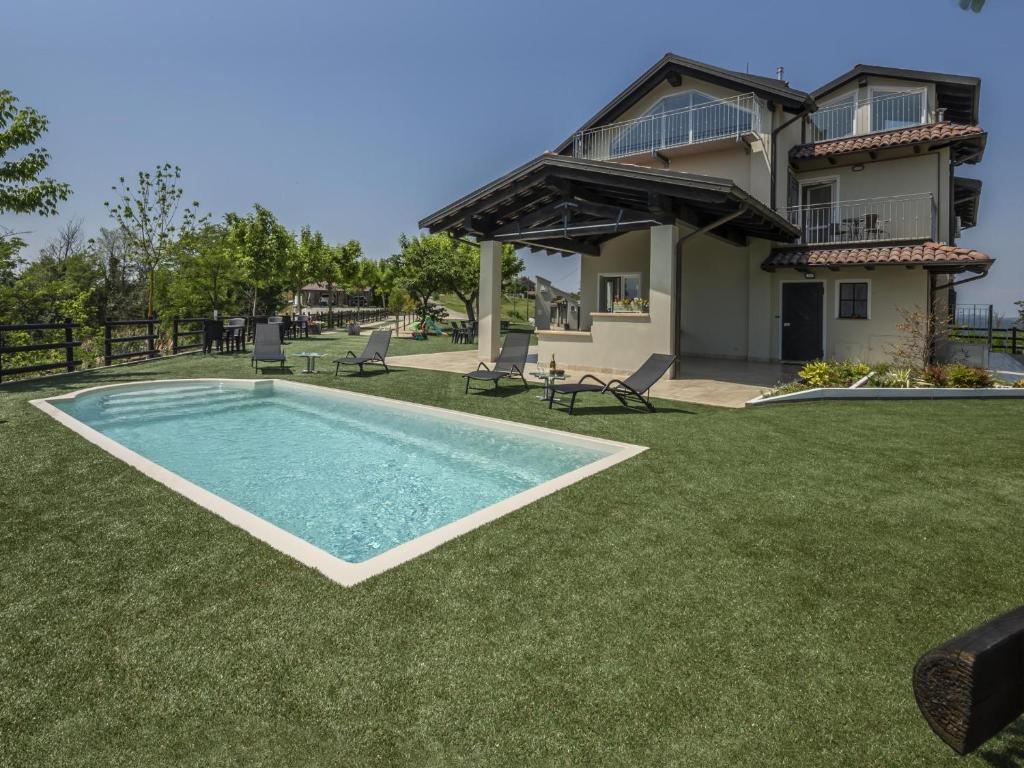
(1010, 340)
(68, 345)
(110, 340)
(190, 333)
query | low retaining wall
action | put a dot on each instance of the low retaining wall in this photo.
(888, 393)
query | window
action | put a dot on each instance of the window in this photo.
(681, 118)
(853, 300)
(836, 120)
(613, 288)
(892, 109)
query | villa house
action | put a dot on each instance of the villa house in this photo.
(745, 219)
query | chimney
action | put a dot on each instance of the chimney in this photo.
(942, 115)
(779, 72)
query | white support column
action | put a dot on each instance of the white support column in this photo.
(664, 308)
(490, 300)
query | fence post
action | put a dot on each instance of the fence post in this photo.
(106, 342)
(990, 326)
(150, 342)
(174, 335)
(69, 349)
(1013, 340)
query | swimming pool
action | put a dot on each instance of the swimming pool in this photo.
(347, 483)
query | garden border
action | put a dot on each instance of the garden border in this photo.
(889, 393)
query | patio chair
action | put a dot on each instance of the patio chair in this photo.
(266, 347)
(454, 332)
(625, 390)
(511, 361)
(234, 334)
(213, 336)
(375, 353)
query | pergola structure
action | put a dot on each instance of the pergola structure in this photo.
(567, 205)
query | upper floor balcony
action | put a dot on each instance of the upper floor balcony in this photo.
(871, 220)
(884, 110)
(671, 132)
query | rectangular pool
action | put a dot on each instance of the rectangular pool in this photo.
(349, 484)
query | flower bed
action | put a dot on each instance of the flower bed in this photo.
(842, 379)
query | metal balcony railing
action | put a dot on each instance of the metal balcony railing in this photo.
(871, 220)
(854, 117)
(701, 123)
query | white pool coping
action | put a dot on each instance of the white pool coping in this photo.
(341, 571)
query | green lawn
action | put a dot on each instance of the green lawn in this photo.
(753, 590)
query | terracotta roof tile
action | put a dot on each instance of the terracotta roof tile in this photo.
(927, 253)
(897, 138)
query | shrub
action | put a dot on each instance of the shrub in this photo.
(1019, 383)
(936, 375)
(894, 377)
(960, 375)
(825, 373)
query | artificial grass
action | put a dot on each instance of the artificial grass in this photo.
(753, 590)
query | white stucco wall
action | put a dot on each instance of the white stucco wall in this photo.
(871, 340)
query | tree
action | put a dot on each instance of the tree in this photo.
(305, 261)
(261, 246)
(122, 297)
(151, 218)
(338, 266)
(424, 266)
(464, 277)
(972, 5)
(22, 190)
(206, 273)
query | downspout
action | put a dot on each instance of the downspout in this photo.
(775, 134)
(677, 298)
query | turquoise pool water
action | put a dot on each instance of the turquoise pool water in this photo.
(352, 476)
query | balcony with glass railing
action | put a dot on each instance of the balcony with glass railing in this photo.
(664, 132)
(853, 116)
(871, 220)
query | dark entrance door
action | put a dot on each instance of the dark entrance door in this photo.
(801, 321)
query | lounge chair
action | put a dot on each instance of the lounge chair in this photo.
(266, 347)
(374, 353)
(632, 388)
(511, 361)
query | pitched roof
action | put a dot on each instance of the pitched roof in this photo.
(533, 192)
(927, 254)
(901, 137)
(958, 94)
(671, 65)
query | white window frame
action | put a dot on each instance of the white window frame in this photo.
(839, 292)
(638, 275)
(879, 90)
(813, 182)
(834, 101)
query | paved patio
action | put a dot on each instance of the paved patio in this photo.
(726, 383)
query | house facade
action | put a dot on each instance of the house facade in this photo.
(724, 214)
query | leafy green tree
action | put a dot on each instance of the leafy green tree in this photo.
(151, 217)
(206, 276)
(972, 5)
(338, 266)
(22, 189)
(464, 276)
(305, 261)
(423, 267)
(262, 247)
(123, 296)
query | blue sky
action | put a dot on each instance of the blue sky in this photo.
(360, 118)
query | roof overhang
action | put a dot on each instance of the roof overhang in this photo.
(966, 146)
(671, 68)
(959, 95)
(966, 200)
(569, 205)
(931, 256)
